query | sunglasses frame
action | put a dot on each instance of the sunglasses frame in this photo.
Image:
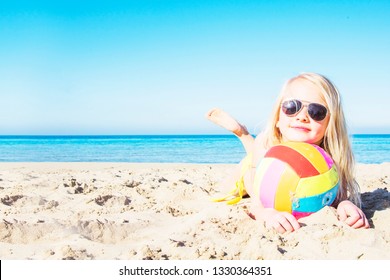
(300, 104)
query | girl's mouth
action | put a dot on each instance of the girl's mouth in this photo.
(302, 128)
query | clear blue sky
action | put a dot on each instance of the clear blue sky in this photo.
(156, 67)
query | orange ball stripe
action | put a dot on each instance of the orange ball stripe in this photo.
(312, 154)
(286, 190)
(303, 167)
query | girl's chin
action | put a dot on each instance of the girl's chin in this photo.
(299, 138)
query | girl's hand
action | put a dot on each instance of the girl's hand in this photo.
(281, 221)
(352, 215)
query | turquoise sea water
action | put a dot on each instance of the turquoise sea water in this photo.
(156, 148)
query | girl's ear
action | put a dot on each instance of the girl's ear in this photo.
(277, 124)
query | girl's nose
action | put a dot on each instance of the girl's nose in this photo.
(303, 115)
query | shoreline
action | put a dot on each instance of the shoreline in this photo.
(139, 211)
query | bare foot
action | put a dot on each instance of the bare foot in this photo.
(224, 120)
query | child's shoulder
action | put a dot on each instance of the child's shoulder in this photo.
(259, 137)
(259, 150)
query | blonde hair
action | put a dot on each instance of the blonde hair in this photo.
(336, 139)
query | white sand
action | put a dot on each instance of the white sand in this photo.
(163, 211)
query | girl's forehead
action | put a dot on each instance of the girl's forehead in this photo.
(304, 90)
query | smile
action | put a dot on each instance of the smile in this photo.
(302, 128)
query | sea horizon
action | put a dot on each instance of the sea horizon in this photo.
(158, 148)
(155, 134)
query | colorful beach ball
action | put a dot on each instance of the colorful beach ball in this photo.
(296, 177)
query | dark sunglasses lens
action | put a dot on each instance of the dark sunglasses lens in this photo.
(317, 112)
(291, 107)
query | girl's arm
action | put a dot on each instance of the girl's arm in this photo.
(281, 221)
(352, 215)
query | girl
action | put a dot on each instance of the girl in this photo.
(309, 110)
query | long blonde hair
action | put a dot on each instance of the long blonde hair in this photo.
(336, 139)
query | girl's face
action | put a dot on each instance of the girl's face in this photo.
(301, 127)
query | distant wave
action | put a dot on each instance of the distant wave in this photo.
(368, 148)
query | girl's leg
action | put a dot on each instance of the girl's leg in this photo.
(229, 182)
(223, 119)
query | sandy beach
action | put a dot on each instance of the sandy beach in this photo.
(109, 211)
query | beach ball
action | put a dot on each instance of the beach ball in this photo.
(296, 177)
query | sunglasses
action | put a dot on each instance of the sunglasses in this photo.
(316, 111)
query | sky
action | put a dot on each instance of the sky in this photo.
(156, 67)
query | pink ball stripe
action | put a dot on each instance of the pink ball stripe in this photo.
(328, 159)
(299, 215)
(270, 182)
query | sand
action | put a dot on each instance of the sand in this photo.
(123, 211)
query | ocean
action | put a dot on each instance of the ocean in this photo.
(368, 148)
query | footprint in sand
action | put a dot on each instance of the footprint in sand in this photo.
(9, 200)
(101, 200)
(79, 188)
